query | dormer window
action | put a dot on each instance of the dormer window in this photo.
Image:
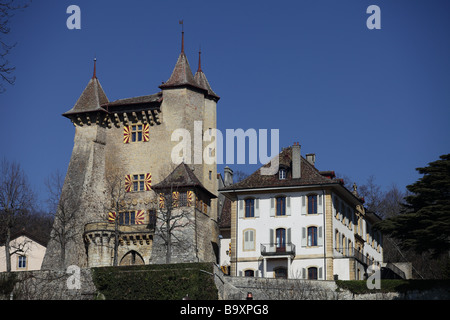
(282, 174)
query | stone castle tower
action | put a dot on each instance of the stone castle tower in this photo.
(109, 209)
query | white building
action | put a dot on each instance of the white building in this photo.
(299, 223)
(27, 253)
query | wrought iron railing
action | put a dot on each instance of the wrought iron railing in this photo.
(272, 249)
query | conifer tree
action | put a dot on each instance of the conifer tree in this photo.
(424, 224)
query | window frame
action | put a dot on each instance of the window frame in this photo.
(312, 237)
(249, 208)
(312, 203)
(249, 239)
(280, 206)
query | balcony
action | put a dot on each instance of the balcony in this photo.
(271, 249)
(353, 253)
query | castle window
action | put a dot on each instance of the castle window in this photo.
(139, 182)
(182, 199)
(127, 218)
(136, 133)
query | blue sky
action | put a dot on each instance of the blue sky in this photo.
(366, 102)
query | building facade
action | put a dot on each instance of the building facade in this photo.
(299, 223)
(27, 253)
(108, 209)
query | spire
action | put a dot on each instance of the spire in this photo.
(182, 74)
(94, 76)
(199, 60)
(201, 80)
(182, 35)
(92, 98)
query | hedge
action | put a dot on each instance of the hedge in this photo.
(156, 282)
(393, 285)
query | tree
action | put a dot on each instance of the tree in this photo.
(7, 7)
(116, 191)
(171, 220)
(424, 224)
(16, 200)
(65, 210)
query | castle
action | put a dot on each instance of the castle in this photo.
(124, 201)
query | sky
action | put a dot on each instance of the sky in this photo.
(367, 102)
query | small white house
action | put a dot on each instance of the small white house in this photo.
(299, 223)
(28, 253)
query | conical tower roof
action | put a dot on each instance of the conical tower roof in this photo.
(200, 78)
(92, 98)
(182, 74)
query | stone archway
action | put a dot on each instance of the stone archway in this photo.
(132, 258)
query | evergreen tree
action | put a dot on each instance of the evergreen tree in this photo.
(424, 224)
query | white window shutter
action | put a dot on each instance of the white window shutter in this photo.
(320, 273)
(303, 209)
(256, 208)
(272, 207)
(241, 208)
(320, 205)
(320, 237)
(272, 240)
(288, 236)
(303, 237)
(288, 205)
(304, 273)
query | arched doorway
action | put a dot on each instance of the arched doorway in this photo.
(132, 258)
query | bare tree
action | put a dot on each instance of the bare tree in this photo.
(65, 210)
(116, 191)
(7, 7)
(16, 199)
(172, 218)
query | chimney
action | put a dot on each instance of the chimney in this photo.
(311, 158)
(296, 161)
(228, 176)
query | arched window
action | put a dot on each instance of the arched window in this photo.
(312, 273)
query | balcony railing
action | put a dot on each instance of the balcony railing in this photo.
(271, 249)
(353, 253)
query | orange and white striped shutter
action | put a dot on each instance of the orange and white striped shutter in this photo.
(146, 132)
(128, 183)
(126, 134)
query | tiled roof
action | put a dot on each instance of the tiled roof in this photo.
(200, 78)
(181, 75)
(182, 176)
(136, 100)
(309, 176)
(92, 98)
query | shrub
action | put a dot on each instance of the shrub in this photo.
(156, 282)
